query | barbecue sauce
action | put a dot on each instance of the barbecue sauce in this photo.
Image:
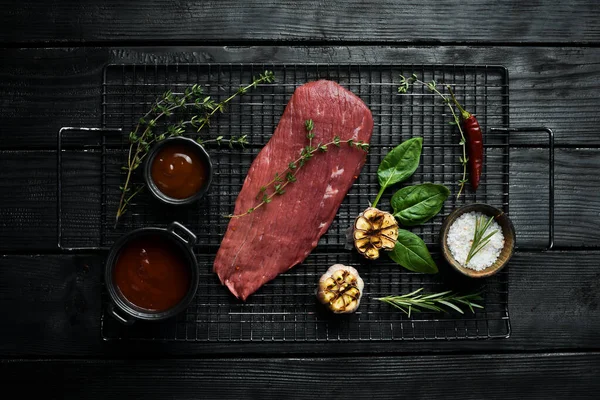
(151, 273)
(178, 171)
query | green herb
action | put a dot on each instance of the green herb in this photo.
(144, 134)
(438, 302)
(405, 83)
(277, 185)
(412, 253)
(479, 240)
(241, 141)
(414, 205)
(399, 164)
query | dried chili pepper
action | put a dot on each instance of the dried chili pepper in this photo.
(474, 138)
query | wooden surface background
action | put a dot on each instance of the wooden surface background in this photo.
(53, 55)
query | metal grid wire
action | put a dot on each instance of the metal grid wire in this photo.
(285, 309)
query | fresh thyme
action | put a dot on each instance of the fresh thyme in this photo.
(170, 103)
(241, 141)
(415, 302)
(276, 187)
(405, 83)
(479, 240)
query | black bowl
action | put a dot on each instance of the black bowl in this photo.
(125, 311)
(155, 191)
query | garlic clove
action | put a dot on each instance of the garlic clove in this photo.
(362, 223)
(387, 243)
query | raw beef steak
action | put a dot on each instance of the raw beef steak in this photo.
(275, 237)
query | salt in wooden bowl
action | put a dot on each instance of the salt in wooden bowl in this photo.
(508, 231)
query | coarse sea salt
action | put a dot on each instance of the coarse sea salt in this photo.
(460, 238)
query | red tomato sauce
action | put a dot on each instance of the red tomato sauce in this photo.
(178, 171)
(151, 273)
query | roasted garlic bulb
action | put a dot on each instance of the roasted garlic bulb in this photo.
(374, 230)
(340, 289)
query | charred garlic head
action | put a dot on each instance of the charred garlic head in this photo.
(374, 230)
(340, 289)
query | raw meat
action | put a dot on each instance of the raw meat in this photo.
(281, 234)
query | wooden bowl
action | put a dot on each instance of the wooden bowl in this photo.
(508, 231)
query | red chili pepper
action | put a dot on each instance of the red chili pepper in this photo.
(474, 138)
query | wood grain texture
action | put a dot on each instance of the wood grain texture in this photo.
(529, 196)
(52, 306)
(49, 302)
(27, 200)
(577, 208)
(577, 205)
(330, 21)
(43, 90)
(536, 376)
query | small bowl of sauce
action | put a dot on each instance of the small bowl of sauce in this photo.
(178, 171)
(152, 273)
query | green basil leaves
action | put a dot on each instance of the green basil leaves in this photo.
(399, 164)
(414, 205)
(411, 253)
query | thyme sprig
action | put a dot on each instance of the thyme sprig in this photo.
(405, 83)
(170, 104)
(479, 240)
(276, 187)
(241, 141)
(438, 302)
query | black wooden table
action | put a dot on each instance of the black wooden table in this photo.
(53, 58)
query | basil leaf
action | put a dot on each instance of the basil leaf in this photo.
(411, 253)
(414, 205)
(400, 163)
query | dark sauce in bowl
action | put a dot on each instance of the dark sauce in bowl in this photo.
(151, 273)
(178, 171)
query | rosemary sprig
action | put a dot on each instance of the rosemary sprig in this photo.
(405, 83)
(415, 302)
(144, 135)
(479, 240)
(277, 185)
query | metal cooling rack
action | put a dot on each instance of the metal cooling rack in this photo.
(285, 309)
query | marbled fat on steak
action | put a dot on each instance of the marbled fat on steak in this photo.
(279, 235)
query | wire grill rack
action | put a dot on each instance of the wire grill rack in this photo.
(285, 309)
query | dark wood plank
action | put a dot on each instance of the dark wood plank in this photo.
(28, 200)
(577, 205)
(531, 376)
(332, 21)
(577, 213)
(52, 88)
(44, 90)
(52, 305)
